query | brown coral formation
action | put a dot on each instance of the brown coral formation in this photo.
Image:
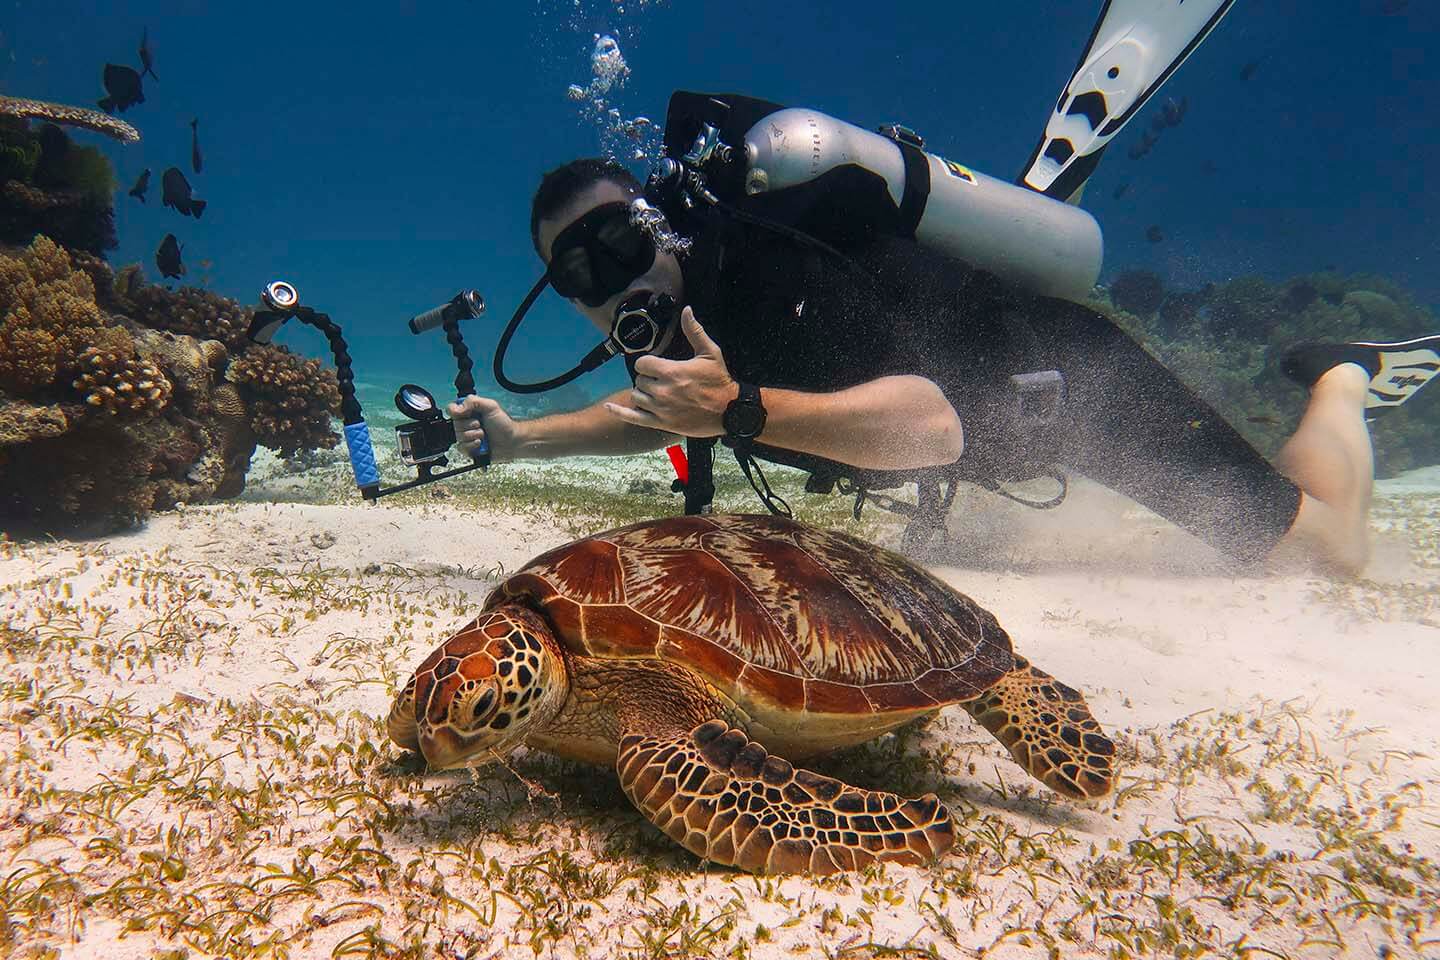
(104, 419)
(190, 310)
(291, 399)
(48, 317)
(121, 385)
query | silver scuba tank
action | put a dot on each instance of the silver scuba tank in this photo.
(1037, 243)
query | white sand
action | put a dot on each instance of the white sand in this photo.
(192, 747)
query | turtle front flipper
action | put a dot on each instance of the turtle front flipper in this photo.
(1049, 730)
(723, 797)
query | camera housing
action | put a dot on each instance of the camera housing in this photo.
(429, 436)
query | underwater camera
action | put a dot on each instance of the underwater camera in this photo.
(425, 441)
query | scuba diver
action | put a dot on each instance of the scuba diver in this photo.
(841, 301)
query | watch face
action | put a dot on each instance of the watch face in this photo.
(744, 419)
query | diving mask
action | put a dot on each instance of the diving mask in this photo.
(599, 255)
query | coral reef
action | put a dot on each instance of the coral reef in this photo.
(50, 185)
(105, 418)
(1137, 291)
(121, 385)
(1223, 341)
(189, 310)
(24, 109)
(291, 399)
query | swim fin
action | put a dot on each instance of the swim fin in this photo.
(1135, 47)
(1397, 370)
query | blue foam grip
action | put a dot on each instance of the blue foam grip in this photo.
(362, 454)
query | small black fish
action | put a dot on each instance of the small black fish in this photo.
(1121, 190)
(1248, 71)
(1146, 144)
(1272, 421)
(1391, 7)
(145, 59)
(1173, 111)
(195, 160)
(142, 183)
(124, 89)
(167, 258)
(176, 193)
(1153, 234)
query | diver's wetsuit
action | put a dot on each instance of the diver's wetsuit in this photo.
(787, 315)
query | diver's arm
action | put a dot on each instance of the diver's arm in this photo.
(588, 431)
(891, 423)
(591, 430)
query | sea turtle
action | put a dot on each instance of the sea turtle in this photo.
(685, 650)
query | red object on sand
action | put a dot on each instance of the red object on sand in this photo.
(678, 461)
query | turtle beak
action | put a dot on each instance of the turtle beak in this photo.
(445, 749)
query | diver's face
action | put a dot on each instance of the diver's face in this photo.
(662, 277)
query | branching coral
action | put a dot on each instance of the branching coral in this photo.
(48, 317)
(291, 400)
(189, 310)
(122, 385)
(102, 421)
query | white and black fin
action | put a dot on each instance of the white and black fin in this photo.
(1404, 368)
(1135, 47)
(1397, 370)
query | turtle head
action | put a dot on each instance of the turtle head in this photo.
(483, 691)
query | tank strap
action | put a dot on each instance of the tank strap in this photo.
(917, 187)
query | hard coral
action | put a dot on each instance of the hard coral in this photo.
(291, 400)
(48, 317)
(121, 385)
(189, 310)
(103, 419)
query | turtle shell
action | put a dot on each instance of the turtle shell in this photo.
(773, 613)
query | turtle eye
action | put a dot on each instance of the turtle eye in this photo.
(484, 704)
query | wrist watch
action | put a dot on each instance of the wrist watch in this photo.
(744, 418)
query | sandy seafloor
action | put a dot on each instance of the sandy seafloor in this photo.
(193, 761)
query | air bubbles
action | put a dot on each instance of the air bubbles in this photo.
(635, 140)
(652, 221)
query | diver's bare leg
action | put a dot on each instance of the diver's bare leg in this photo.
(1331, 460)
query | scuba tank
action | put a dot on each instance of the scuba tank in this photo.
(783, 165)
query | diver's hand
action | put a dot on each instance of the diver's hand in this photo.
(687, 397)
(480, 418)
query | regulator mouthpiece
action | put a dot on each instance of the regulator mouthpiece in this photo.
(465, 305)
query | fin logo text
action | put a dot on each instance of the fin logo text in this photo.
(1408, 380)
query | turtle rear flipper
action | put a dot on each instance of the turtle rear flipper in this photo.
(723, 797)
(1049, 730)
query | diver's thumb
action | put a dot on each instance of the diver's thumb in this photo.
(700, 341)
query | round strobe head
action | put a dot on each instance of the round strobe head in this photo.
(279, 295)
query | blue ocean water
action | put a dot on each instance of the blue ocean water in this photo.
(381, 156)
